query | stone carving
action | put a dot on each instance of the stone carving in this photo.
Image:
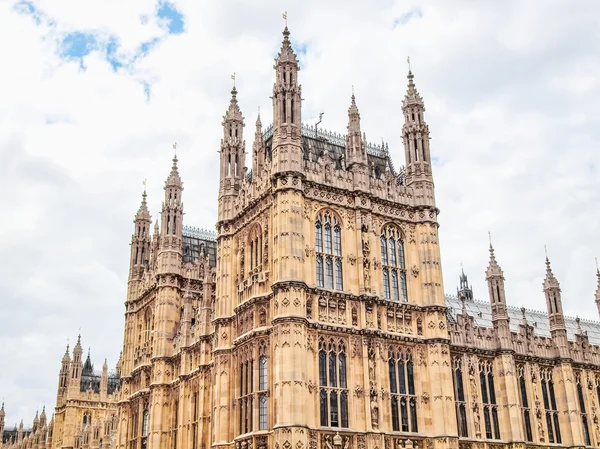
(374, 411)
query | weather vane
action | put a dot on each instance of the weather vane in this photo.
(408, 62)
(175, 148)
(284, 15)
(353, 90)
(144, 182)
(233, 78)
(490, 237)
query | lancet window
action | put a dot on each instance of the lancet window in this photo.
(459, 397)
(328, 248)
(582, 410)
(488, 398)
(393, 264)
(245, 390)
(525, 409)
(333, 384)
(402, 390)
(253, 389)
(263, 387)
(552, 424)
(255, 245)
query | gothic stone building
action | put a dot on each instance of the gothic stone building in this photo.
(316, 316)
(85, 414)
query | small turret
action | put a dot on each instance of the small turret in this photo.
(355, 147)
(140, 245)
(2, 416)
(258, 149)
(43, 417)
(558, 329)
(598, 287)
(76, 365)
(464, 292)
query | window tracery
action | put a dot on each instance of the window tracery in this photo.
(459, 397)
(333, 391)
(552, 424)
(393, 264)
(582, 409)
(488, 398)
(525, 409)
(328, 249)
(402, 390)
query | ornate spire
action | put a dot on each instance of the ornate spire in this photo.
(66, 357)
(143, 213)
(493, 267)
(174, 180)
(412, 96)
(2, 413)
(550, 281)
(233, 112)
(598, 286)
(286, 54)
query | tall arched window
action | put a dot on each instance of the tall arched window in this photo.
(333, 394)
(255, 245)
(459, 398)
(582, 410)
(488, 398)
(552, 424)
(263, 387)
(328, 248)
(402, 390)
(393, 265)
(246, 390)
(525, 403)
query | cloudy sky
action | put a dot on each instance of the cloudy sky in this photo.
(93, 94)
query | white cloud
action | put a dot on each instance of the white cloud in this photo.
(511, 103)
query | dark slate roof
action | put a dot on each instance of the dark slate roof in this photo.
(197, 243)
(318, 142)
(482, 314)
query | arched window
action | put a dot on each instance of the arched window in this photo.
(488, 398)
(459, 398)
(393, 265)
(525, 403)
(333, 394)
(145, 423)
(582, 409)
(255, 248)
(328, 248)
(263, 387)
(402, 391)
(549, 398)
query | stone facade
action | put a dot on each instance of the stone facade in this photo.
(86, 410)
(316, 317)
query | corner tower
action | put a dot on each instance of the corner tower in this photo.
(287, 108)
(415, 135)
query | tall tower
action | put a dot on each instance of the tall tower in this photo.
(415, 134)
(558, 329)
(233, 157)
(140, 245)
(287, 107)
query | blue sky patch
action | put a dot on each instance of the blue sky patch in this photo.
(173, 18)
(404, 19)
(77, 44)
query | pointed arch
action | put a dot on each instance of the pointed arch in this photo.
(329, 266)
(394, 278)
